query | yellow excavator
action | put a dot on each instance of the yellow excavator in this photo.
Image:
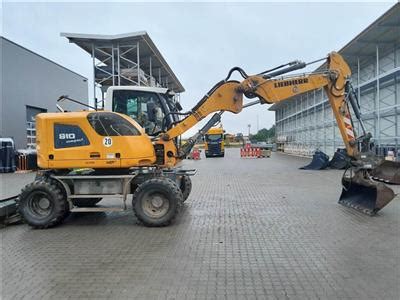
(90, 155)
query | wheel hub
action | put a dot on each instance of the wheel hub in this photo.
(155, 205)
(157, 201)
(40, 204)
(44, 203)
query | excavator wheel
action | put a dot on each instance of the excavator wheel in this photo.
(60, 187)
(186, 187)
(157, 201)
(42, 204)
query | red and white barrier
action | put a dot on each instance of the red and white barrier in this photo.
(195, 154)
(250, 152)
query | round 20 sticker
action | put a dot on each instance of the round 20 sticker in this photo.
(107, 141)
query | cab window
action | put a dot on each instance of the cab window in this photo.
(109, 124)
(144, 107)
(213, 137)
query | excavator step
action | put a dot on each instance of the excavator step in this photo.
(97, 209)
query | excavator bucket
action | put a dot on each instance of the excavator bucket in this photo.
(340, 160)
(319, 161)
(365, 195)
(387, 171)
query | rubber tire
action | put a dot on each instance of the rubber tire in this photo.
(56, 196)
(86, 202)
(60, 186)
(162, 185)
(186, 187)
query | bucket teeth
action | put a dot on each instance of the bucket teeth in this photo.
(357, 207)
(387, 171)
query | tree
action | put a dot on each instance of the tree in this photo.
(264, 135)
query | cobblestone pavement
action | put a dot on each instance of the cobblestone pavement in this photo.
(251, 229)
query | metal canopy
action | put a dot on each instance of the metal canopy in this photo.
(382, 34)
(126, 59)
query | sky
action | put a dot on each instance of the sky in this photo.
(200, 41)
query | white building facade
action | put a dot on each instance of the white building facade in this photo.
(305, 123)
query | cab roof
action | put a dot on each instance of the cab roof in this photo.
(158, 90)
(76, 114)
(215, 130)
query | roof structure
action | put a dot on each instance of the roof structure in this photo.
(383, 32)
(126, 59)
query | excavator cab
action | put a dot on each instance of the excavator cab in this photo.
(155, 109)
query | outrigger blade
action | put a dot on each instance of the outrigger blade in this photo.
(388, 171)
(319, 161)
(363, 194)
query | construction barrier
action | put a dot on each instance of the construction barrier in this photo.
(195, 154)
(251, 152)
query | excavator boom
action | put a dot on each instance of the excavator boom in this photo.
(271, 87)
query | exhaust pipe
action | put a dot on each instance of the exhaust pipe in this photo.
(363, 194)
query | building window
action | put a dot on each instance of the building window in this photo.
(31, 113)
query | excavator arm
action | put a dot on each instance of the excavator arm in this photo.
(228, 96)
(335, 81)
(359, 191)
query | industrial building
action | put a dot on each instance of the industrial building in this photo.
(305, 122)
(31, 84)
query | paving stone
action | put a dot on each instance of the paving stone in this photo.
(251, 229)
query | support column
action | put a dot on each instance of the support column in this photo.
(94, 77)
(119, 65)
(150, 70)
(138, 62)
(358, 89)
(378, 100)
(112, 64)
